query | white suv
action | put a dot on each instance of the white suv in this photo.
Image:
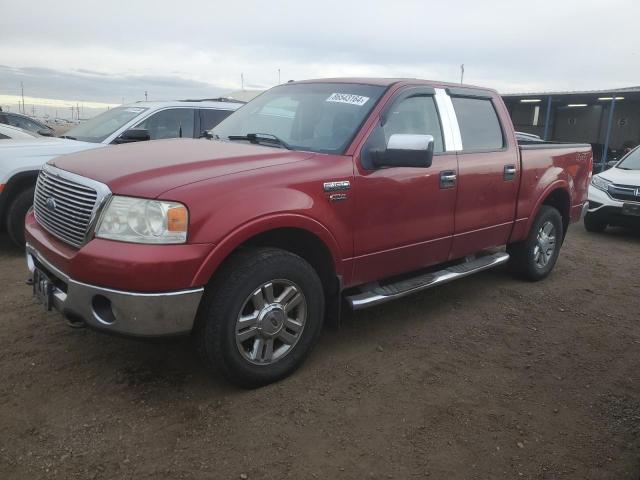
(614, 195)
(20, 160)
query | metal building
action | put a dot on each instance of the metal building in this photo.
(607, 119)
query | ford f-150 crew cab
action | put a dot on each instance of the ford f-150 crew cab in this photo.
(314, 194)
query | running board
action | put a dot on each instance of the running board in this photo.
(402, 288)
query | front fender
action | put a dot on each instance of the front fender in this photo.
(261, 225)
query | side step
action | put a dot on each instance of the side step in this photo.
(402, 288)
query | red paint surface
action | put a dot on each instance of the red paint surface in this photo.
(393, 221)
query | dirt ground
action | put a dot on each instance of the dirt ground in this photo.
(486, 378)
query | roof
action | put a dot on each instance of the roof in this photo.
(221, 105)
(386, 82)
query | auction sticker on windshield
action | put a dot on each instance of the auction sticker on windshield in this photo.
(348, 98)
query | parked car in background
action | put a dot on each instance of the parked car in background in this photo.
(153, 121)
(7, 132)
(26, 123)
(20, 161)
(314, 193)
(614, 195)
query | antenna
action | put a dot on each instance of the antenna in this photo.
(461, 73)
(278, 76)
(145, 95)
(242, 81)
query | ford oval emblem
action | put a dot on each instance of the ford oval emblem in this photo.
(51, 203)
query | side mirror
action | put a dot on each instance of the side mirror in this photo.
(45, 132)
(134, 135)
(406, 150)
(611, 164)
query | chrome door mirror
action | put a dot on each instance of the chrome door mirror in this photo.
(406, 150)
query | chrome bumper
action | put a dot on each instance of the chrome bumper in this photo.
(128, 313)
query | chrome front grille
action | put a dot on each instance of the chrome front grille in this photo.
(625, 193)
(66, 204)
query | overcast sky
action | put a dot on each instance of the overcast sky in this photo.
(104, 51)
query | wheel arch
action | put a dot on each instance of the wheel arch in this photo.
(556, 195)
(295, 233)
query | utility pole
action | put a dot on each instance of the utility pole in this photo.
(22, 89)
(242, 81)
(462, 73)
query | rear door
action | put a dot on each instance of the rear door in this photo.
(488, 173)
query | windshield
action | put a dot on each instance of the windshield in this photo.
(631, 161)
(317, 117)
(98, 128)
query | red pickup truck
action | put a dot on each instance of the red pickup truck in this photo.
(315, 194)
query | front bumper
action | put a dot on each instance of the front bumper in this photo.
(117, 311)
(603, 207)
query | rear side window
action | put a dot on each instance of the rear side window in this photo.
(170, 123)
(479, 125)
(209, 117)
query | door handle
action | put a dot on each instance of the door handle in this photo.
(448, 178)
(509, 172)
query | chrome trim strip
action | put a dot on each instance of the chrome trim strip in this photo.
(138, 314)
(337, 186)
(370, 299)
(453, 140)
(103, 194)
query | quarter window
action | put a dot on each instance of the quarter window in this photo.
(478, 122)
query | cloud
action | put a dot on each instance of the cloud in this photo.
(183, 49)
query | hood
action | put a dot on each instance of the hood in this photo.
(41, 147)
(622, 177)
(147, 169)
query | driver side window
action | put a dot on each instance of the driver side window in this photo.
(417, 115)
(413, 115)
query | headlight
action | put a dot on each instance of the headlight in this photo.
(138, 220)
(600, 183)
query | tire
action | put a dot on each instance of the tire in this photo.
(236, 290)
(592, 224)
(533, 259)
(16, 212)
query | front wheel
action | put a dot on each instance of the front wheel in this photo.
(260, 317)
(535, 257)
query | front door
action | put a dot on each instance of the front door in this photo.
(404, 216)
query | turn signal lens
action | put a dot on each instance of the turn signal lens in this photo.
(177, 219)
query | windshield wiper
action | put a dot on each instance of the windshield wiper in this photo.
(68, 137)
(261, 137)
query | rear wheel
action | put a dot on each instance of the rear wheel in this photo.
(260, 317)
(592, 224)
(535, 257)
(18, 209)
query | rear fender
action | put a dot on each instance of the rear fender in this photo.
(521, 231)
